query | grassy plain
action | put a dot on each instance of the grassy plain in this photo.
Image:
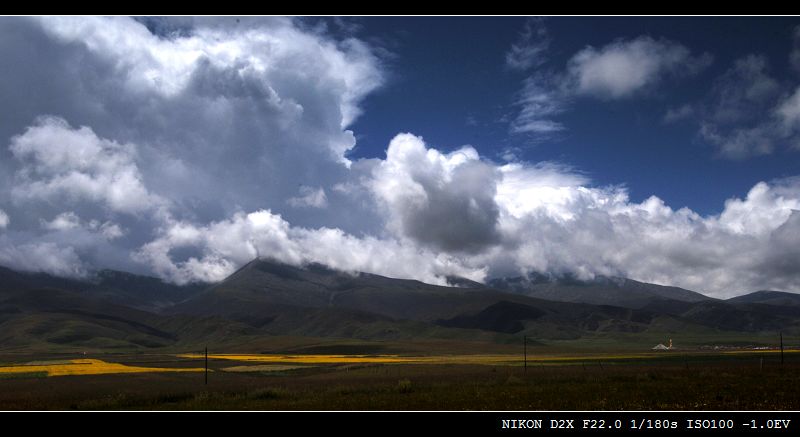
(731, 380)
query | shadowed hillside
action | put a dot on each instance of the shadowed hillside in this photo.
(266, 300)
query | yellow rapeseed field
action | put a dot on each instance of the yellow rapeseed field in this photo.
(85, 367)
(263, 368)
(493, 360)
(355, 359)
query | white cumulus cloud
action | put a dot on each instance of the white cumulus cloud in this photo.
(622, 68)
(58, 161)
(134, 125)
(225, 245)
(62, 222)
(535, 217)
(439, 200)
(310, 197)
(200, 149)
(47, 257)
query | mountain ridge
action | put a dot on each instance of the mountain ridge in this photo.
(265, 299)
(601, 290)
(768, 297)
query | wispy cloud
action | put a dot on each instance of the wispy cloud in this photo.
(680, 113)
(794, 55)
(540, 100)
(529, 49)
(750, 113)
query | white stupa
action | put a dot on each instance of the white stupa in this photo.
(661, 347)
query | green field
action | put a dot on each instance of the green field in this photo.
(735, 380)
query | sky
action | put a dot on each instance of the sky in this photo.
(662, 149)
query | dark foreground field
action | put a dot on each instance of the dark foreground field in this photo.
(672, 383)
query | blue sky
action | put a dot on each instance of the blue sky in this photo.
(659, 149)
(450, 84)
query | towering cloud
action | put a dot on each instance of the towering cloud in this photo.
(543, 218)
(445, 201)
(184, 148)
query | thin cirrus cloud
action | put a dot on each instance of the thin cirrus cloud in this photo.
(679, 113)
(540, 100)
(184, 154)
(530, 48)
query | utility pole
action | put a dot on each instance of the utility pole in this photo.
(781, 334)
(525, 351)
(206, 365)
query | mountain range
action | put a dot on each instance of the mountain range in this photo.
(267, 303)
